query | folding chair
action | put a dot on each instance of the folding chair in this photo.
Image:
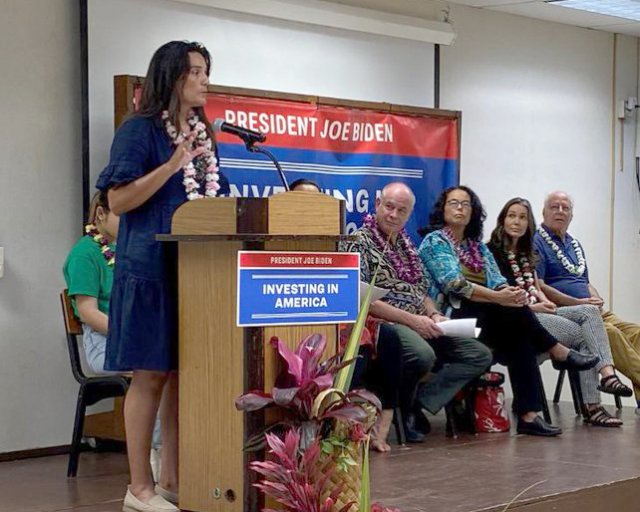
(92, 388)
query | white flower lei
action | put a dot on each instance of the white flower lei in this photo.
(524, 278)
(570, 267)
(207, 160)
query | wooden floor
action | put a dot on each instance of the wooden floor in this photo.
(486, 471)
(587, 469)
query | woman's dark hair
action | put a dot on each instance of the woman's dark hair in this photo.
(500, 240)
(473, 231)
(167, 69)
(304, 181)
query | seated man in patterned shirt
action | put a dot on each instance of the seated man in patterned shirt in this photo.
(564, 278)
(383, 241)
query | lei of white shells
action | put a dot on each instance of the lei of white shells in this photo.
(207, 160)
(575, 270)
(523, 279)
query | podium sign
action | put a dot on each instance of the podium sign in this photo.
(291, 288)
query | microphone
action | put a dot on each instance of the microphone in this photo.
(248, 136)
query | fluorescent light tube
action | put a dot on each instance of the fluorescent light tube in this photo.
(626, 9)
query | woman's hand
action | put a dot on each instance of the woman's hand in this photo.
(544, 307)
(511, 296)
(184, 153)
(124, 198)
(425, 327)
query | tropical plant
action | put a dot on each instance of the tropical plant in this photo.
(304, 389)
(376, 507)
(298, 480)
(325, 421)
(343, 382)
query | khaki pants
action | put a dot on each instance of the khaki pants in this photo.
(624, 339)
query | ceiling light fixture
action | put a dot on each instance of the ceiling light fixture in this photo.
(627, 9)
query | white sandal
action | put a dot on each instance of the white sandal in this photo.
(155, 504)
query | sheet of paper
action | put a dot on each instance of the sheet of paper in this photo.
(463, 327)
(376, 293)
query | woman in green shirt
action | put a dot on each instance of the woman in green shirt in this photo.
(88, 272)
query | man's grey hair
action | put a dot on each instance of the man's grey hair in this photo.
(557, 193)
(399, 184)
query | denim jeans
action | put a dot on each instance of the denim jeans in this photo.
(94, 344)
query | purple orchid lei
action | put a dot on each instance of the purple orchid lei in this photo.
(109, 255)
(470, 256)
(409, 271)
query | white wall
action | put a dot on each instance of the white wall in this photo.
(249, 51)
(40, 205)
(537, 116)
(626, 207)
(40, 95)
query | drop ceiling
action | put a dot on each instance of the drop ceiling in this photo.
(544, 11)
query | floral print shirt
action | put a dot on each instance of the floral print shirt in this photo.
(402, 295)
(449, 284)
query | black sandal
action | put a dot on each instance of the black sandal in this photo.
(614, 386)
(600, 417)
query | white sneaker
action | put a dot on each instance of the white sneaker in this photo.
(155, 504)
(167, 495)
(155, 461)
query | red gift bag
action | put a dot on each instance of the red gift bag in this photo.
(490, 412)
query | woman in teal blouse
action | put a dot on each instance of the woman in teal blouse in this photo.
(468, 284)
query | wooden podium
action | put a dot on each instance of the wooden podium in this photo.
(219, 361)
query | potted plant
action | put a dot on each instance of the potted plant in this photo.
(322, 465)
(318, 464)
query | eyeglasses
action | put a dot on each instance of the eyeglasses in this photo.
(560, 208)
(455, 204)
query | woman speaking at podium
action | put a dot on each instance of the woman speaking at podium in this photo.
(162, 155)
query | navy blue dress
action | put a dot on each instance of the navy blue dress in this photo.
(143, 312)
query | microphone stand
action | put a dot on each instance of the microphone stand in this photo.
(259, 149)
